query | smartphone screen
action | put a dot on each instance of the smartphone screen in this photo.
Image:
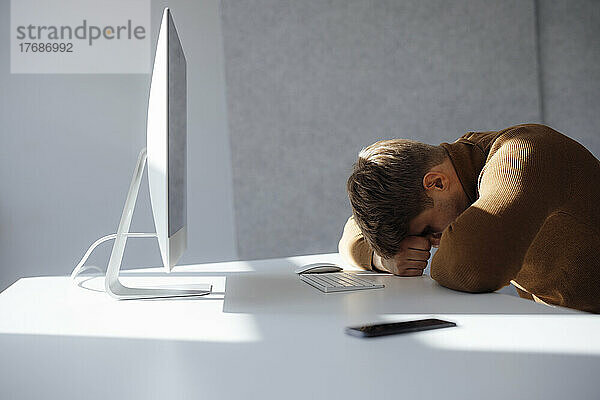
(398, 327)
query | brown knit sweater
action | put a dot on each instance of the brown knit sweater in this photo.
(534, 219)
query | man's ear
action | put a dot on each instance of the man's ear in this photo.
(434, 180)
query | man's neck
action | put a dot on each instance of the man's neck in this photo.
(467, 162)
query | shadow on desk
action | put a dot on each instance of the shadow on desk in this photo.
(279, 293)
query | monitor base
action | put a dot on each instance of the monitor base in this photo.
(112, 284)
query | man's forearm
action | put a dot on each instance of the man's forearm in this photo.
(353, 247)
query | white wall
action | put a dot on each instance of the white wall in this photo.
(69, 143)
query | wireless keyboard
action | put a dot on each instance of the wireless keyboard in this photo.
(339, 282)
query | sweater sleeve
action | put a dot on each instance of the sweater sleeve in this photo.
(353, 247)
(484, 248)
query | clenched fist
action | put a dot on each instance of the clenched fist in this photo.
(410, 260)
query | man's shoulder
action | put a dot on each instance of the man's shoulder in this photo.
(486, 140)
(536, 156)
(541, 140)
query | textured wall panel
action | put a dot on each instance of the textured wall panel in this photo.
(570, 60)
(310, 82)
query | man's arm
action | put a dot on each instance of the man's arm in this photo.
(484, 248)
(410, 261)
(353, 247)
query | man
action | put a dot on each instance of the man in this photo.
(518, 205)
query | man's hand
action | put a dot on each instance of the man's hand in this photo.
(411, 260)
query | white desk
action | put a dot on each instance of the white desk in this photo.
(264, 334)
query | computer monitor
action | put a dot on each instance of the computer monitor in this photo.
(167, 168)
(167, 145)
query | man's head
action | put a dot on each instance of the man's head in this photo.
(402, 187)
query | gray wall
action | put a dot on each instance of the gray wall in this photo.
(570, 61)
(309, 83)
(69, 144)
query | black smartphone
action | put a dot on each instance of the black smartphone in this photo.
(398, 327)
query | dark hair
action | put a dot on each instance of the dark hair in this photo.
(386, 190)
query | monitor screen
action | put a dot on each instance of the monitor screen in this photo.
(177, 142)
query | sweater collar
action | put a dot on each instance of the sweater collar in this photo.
(468, 160)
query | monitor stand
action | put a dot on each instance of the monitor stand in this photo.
(112, 284)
